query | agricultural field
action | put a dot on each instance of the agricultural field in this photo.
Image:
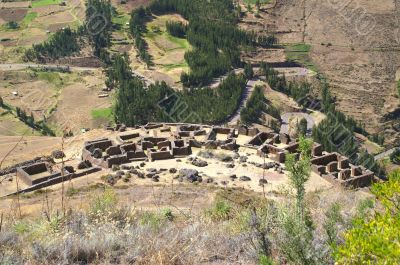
(167, 52)
(65, 100)
(25, 23)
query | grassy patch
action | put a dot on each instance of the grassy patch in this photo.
(172, 66)
(299, 53)
(40, 3)
(29, 17)
(121, 19)
(253, 2)
(102, 113)
(52, 78)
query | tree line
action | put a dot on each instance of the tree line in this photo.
(66, 42)
(176, 28)
(137, 26)
(336, 134)
(136, 104)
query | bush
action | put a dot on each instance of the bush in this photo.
(395, 157)
(220, 211)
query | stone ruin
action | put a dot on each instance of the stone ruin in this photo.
(226, 142)
(43, 174)
(105, 153)
(332, 166)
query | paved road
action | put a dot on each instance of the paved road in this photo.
(287, 116)
(385, 153)
(245, 96)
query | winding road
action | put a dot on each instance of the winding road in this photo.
(245, 97)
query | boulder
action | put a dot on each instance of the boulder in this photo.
(190, 175)
(57, 154)
(84, 164)
(261, 182)
(230, 165)
(199, 163)
(243, 159)
(233, 177)
(244, 178)
(172, 170)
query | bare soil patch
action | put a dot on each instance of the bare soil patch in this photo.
(14, 14)
(15, 4)
(130, 4)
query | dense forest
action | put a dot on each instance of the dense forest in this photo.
(176, 29)
(64, 42)
(136, 104)
(212, 31)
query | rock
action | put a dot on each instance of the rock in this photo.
(178, 160)
(140, 175)
(243, 159)
(244, 178)
(244, 165)
(209, 180)
(269, 165)
(119, 173)
(142, 164)
(172, 170)
(230, 165)
(233, 177)
(190, 159)
(236, 156)
(133, 171)
(125, 167)
(150, 175)
(226, 158)
(163, 169)
(261, 182)
(224, 183)
(97, 153)
(190, 175)
(115, 167)
(156, 178)
(199, 163)
(151, 170)
(84, 164)
(57, 154)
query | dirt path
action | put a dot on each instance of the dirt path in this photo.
(20, 66)
(385, 153)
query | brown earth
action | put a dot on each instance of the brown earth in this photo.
(130, 4)
(15, 14)
(355, 45)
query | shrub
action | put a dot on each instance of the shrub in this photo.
(220, 211)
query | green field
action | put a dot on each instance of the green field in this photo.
(105, 113)
(29, 17)
(40, 3)
(299, 53)
(253, 2)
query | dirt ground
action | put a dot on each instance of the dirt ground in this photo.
(144, 192)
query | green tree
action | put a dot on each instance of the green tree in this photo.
(248, 71)
(375, 239)
(1, 102)
(395, 156)
(302, 127)
(299, 171)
